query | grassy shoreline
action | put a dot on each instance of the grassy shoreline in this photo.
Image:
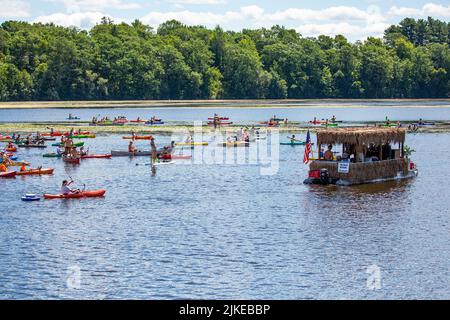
(9, 128)
(257, 103)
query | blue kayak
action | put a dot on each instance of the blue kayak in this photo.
(30, 197)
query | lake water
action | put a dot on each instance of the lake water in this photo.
(225, 231)
(350, 111)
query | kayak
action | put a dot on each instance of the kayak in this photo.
(202, 143)
(13, 149)
(424, 124)
(221, 118)
(48, 138)
(73, 118)
(83, 136)
(8, 174)
(294, 143)
(130, 154)
(82, 194)
(52, 155)
(329, 124)
(222, 123)
(76, 144)
(18, 163)
(234, 144)
(30, 197)
(35, 172)
(54, 134)
(154, 122)
(76, 133)
(138, 137)
(96, 156)
(156, 164)
(72, 160)
(139, 121)
(32, 146)
(181, 157)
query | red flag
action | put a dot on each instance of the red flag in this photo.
(307, 148)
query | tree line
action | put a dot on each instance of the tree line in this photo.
(134, 61)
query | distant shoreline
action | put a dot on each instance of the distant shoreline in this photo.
(269, 103)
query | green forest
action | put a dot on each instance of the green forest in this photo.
(122, 61)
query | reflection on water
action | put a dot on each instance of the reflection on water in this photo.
(226, 231)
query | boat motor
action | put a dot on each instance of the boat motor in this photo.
(324, 176)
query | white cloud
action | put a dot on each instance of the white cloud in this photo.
(349, 30)
(14, 9)
(83, 20)
(429, 9)
(211, 2)
(95, 5)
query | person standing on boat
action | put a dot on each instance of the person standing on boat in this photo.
(154, 151)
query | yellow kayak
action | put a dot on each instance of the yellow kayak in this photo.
(203, 143)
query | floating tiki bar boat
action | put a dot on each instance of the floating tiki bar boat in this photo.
(367, 156)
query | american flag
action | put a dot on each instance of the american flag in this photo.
(307, 148)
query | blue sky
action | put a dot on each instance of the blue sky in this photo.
(355, 19)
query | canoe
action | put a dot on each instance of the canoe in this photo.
(83, 136)
(72, 160)
(41, 146)
(76, 144)
(52, 155)
(8, 174)
(138, 137)
(13, 149)
(35, 172)
(234, 144)
(96, 156)
(115, 153)
(82, 194)
(202, 143)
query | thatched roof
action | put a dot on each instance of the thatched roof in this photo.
(361, 136)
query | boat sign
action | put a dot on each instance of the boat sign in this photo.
(343, 167)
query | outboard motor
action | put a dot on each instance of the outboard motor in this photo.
(324, 176)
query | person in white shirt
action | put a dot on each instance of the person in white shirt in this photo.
(65, 188)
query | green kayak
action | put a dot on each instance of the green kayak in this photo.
(52, 155)
(77, 144)
(295, 143)
(330, 124)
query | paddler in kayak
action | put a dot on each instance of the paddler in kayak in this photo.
(132, 148)
(65, 188)
(3, 167)
(293, 139)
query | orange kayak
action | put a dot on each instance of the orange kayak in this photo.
(35, 172)
(82, 194)
(13, 149)
(138, 137)
(8, 174)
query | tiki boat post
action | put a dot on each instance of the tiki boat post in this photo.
(366, 155)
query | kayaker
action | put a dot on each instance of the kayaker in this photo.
(3, 167)
(65, 188)
(10, 145)
(133, 135)
(131, 147)
(333, 119)
(189, 139)
(293, 139)
(23, 168)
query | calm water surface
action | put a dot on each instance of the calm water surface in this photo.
(351, 111)
(226, 231)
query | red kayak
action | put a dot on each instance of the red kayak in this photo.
(72, 160)
(8, 174)
(96, 156)
(138, 137)
(54, 134)
(222, 118)
(82, 194)
(13, 149)
(222, 123)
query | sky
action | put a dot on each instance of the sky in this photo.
(354, 19)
